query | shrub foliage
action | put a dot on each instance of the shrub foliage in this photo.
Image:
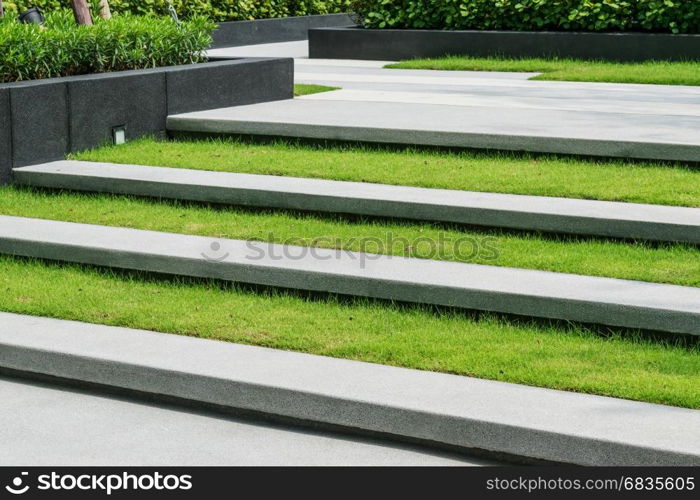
(674, 16)
(216, 10)
(62, 48)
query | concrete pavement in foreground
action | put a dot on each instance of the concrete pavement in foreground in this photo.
(492, 110)
(464, 412)
(49, 425)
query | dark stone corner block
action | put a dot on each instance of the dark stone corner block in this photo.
(229, 83)
(39, 113)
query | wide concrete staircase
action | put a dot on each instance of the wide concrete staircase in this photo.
(516, 422)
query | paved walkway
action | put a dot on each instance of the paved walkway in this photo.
(467, 108)
(48, 425)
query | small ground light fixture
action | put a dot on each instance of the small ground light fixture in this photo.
(119, 134)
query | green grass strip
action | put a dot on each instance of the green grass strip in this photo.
(618, 180)
(651, 72)
(540, 354)
(301, 89)
(665, 263)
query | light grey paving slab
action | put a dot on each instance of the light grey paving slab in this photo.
(466, 412)
(506, 86)
(488, 87)
(338, 64)
(660, 137)
(363, 71)
(634, 304)
(295, 49)
(48, 426)
(623, 220)
(505, 101)
(299, 50)
(508, 83)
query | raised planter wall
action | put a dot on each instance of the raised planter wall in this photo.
(5, 137)
(285, 29)
(393, 45)
(43, 120)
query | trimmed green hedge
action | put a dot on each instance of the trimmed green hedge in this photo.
(675, 16)
(216, 10)
(62, 48)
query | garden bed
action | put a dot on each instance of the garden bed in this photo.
(399, 44)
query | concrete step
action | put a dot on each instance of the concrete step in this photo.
(432, 408)
(559, 215)
(484, 126)
(633, 304)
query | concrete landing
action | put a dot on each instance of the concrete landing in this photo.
(44, 425)
(562, 215)
(615, 302)
(545, 130)
(476, 109)
(451, 410)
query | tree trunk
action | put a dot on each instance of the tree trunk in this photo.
(105, 12)
(2, 12)
(81, 12)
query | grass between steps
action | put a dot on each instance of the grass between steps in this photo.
(653, 183)
(566, 357)
(540, 353)
(301, 89)
(664, 263)
(653, 72)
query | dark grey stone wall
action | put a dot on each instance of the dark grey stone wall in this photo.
(5, 137)
(42, 120)
(273, 30)
(99, 102)
(230, 83)
(357, 43)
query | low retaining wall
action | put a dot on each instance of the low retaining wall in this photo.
(285, 29)
(42, 120)
(393, 44)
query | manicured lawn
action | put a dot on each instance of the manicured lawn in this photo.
(306, 89)
(667, 263)
(655, 72)
(541, 354)
(476, 171)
